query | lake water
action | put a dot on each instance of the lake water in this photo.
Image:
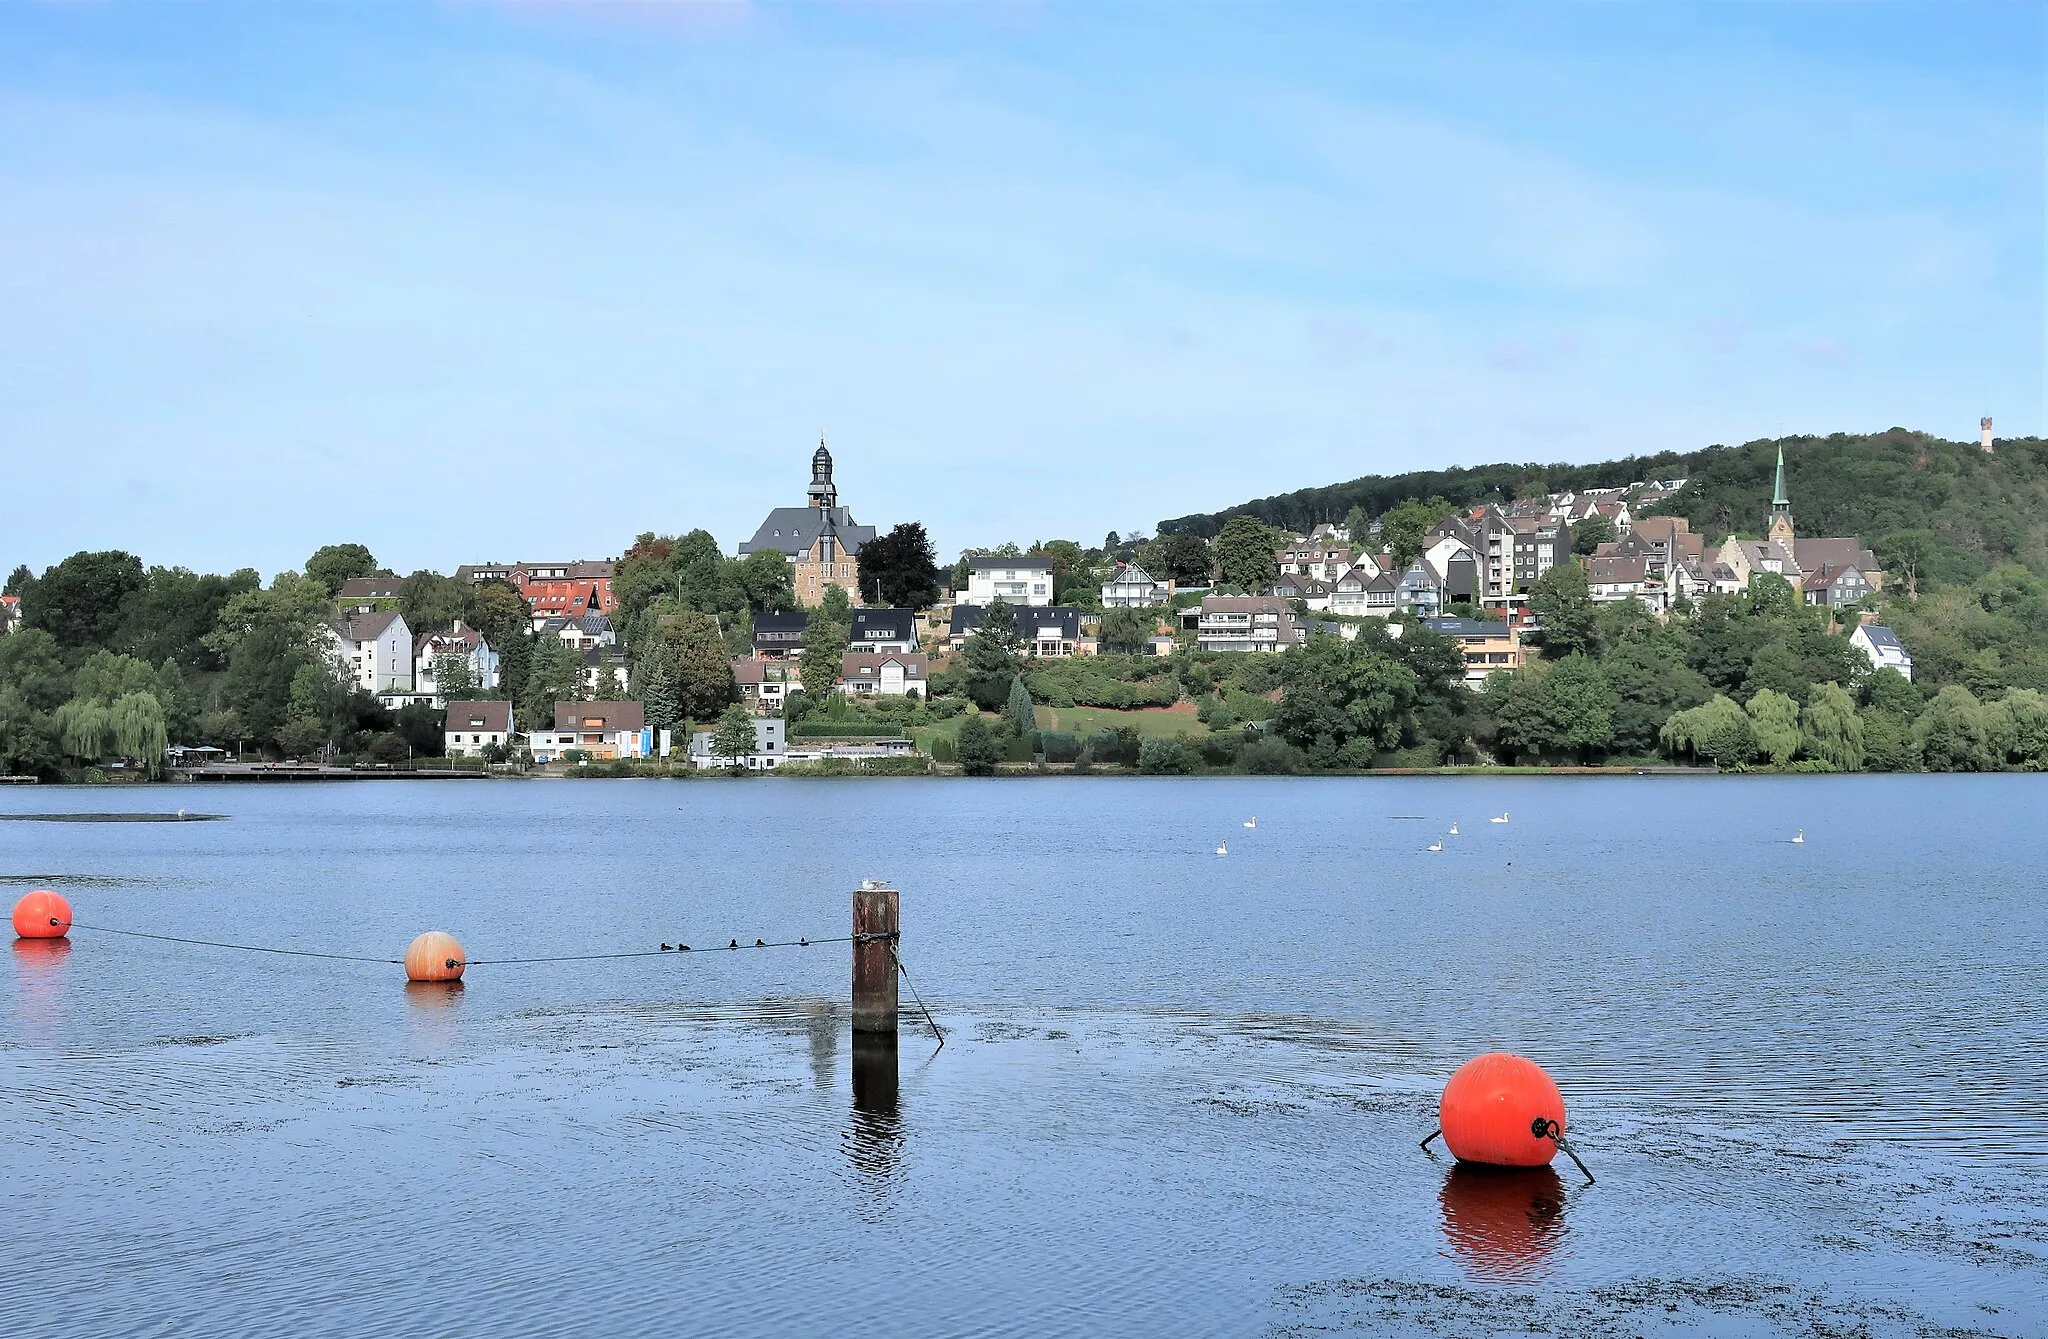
(1182, 1093)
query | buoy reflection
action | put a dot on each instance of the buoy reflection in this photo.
(436, 1009)
(1503, 1223)
(39, 979)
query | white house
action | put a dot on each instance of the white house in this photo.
(1246, 623)
(882, 674)
(1133, 588)
(1019, 581)
(465, 642)
(770, 747)
(375, 650)
(471, 727)
(598, 730)
(1880, 645)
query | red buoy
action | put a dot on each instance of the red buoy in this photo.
(434, 956)
(42, 914)
(1496, 1110)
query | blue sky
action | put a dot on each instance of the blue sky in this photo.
(477, 281)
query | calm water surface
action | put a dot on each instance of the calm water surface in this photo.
(1182, 1093)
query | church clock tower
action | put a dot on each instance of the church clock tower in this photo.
(1780, 532)
(824, 496)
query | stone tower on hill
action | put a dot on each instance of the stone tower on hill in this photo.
(1780, 531)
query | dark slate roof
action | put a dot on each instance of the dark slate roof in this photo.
(371, 588)
(985, 562)
(793, 530)
(883, 625)
(1882, 636)
(780, 627)
(592, 625)
(364, 627)
(967, 619)
(1465, 627)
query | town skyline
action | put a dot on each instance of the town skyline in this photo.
(365, 265)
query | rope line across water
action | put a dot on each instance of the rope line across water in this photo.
(471, 962)
(245, 948)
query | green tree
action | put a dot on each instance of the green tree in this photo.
(979, 746)
(170, 616)
(1017, 709)
(1406, 527)
(423, 729)
(1563, 605)
(455, 677)
(1907, 553)
(823, 650)
(1830, 731)
(332, 564)
(661, 696)
(704, 681)
(835, 606)
(1718, 731)
(1127, 631)
(1247, 555)
(1774, 721)
(2027, 710)
(1566, 710)
(1180, 558)
(301, 737)
(990, 660)
(1589, 534)
(1950, 733)
(1160, 756)
(1650, 683)
(20, 579)
(83, 601)
(900, 568)
(431, 602)
(733, 740)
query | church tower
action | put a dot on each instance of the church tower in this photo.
(824, 496)
(1781, 510)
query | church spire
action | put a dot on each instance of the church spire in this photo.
(823, 494)
(1780, 529)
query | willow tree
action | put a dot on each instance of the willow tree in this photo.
(132, 726)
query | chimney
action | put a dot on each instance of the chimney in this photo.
(1985, 426)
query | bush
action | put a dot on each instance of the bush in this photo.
(979, 745)
(1059, 747)
(1220, 750)
(1163, 757)
(1214, 714)
(388, 747)
(945, 708)
(1269, 756)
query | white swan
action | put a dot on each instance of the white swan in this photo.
(1223, 848)
(1437, 845)
(1800, 840)
(1454, 829)
(1252, 822)
(1502, 819)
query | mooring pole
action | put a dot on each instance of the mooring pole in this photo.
(874, 958)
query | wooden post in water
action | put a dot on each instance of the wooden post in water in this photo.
(875, 938)
(874, 958)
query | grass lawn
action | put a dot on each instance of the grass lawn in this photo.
(1148, 721)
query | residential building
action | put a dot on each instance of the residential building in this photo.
(1880, 645)
(771, 747)
(1487, 646)
(764, 684)
(820, 538)
(471, 727)
(10, 613)
(375, 650)
(883, 629)
(1246, 623)
(1133, 588)
(552, 589)
(883, 674)
(1313, 592)
(1834, 587)
(1786, 554)
(778, 635)
(580, 633)
(1015, 581)
(601, 730)
(1051, 631)
(1350, 593)
(1750, 558)
(1616, 576)
(1419, 589)
(370, 594)
(458, 641)
(1319, 560)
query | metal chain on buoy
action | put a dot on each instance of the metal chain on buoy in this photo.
(1545, 1128)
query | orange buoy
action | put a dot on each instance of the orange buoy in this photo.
(1494, 1109)
(434, 956)
(41, 914)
